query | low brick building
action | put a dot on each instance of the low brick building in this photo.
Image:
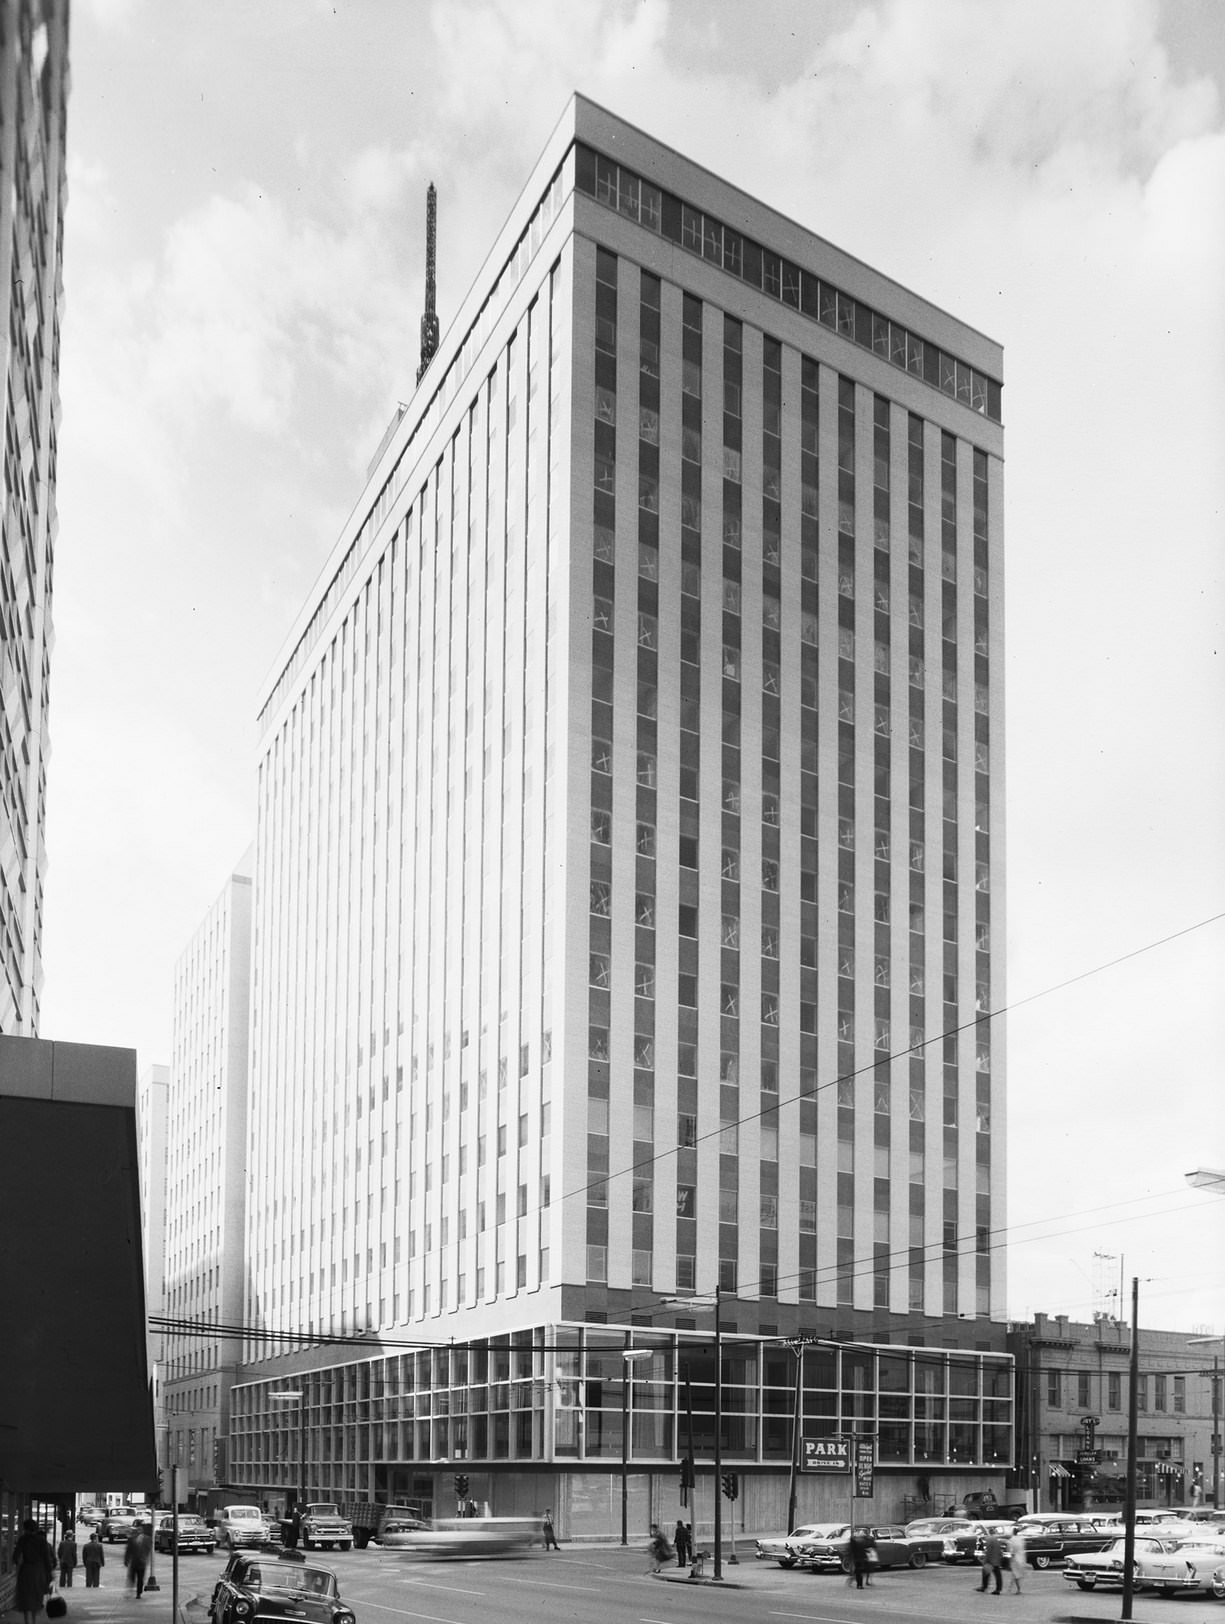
(1072, 1410)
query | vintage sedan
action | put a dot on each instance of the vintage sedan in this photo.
(119, 1523)
(194, 1534)
(891, 1548)
(1051, 1539)
(957, 1536)
(1164, 1565)
(256, 1587)
(783, 1548)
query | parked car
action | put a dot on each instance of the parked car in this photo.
(957, 1535)
(824, 1546)
(1050, 1538)
(276, 1587)
(891, 1548)
(782, 1548)
(90, 1514)
(1193, 1564)
(1103, 1570)
(194, 1534)
(239, 1526)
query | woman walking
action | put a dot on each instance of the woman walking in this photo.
(32, 1558)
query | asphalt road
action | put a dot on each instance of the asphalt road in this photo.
(602, 1585)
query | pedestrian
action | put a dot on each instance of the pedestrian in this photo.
(680, 1538)
(1016, 1557)
(993, 1561)
(32, 1559)
(550, 1535)
(136, 1558)
(659, 1548)
(66, 1556)
(93, 1557)
(861, 1543)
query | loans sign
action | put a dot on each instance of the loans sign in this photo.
(825, 1455)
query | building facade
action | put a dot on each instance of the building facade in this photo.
(1073, 1404)
(206, 1167)
(628, 877)
(33, 102)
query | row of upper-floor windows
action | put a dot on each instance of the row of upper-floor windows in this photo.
(740, 256)
(1167, 1392)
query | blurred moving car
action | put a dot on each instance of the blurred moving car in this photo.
(285, 1586)
(468, 1536)
(119, 1522)
(89, 1514)
(782, 1548)
(194, 1534)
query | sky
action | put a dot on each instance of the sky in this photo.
(244, 268)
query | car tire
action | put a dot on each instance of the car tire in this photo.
(918, 1559)
(786, 1561)
(1085, 1584)
(361, 1540)
(1218, 1586)
(847, 1565)
(1042, 1561)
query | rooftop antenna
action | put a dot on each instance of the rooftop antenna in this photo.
(429, 321)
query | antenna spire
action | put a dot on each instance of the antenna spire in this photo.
(429, 321)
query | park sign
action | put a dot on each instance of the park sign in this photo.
(825, 1455)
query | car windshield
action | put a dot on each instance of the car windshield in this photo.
(293, 1576)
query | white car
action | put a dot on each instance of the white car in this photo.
(240, 1525)
(1163, 1565)
(782, 1547)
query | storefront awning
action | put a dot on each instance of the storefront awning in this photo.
(1058, 1471)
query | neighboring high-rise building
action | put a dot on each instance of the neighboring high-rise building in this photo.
(629, 865)
(33, 97)
(206, 1183)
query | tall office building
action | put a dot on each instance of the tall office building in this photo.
(205, 1208)
(627, 867)
(33, 96)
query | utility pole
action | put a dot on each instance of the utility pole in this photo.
(1129, 1504)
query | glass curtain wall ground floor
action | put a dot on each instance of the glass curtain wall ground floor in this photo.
(561, 1411)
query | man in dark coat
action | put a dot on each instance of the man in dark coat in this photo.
(66, 1556)
(93, 1557)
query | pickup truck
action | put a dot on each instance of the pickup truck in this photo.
(323, 1525)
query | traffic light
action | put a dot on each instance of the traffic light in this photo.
(731, 1485)
(461, 1487)
(686, 1479)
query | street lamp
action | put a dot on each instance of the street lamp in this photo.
(296, 1395)
(797, 1344)
(1212, 1178)
(631, 1357)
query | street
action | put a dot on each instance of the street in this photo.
(607, 1585)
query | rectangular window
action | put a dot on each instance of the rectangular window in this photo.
(1054, 1389)
(1082, 1389)
(1159, 1392)
(1114, 1390)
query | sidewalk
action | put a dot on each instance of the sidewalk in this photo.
(116, 1603)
